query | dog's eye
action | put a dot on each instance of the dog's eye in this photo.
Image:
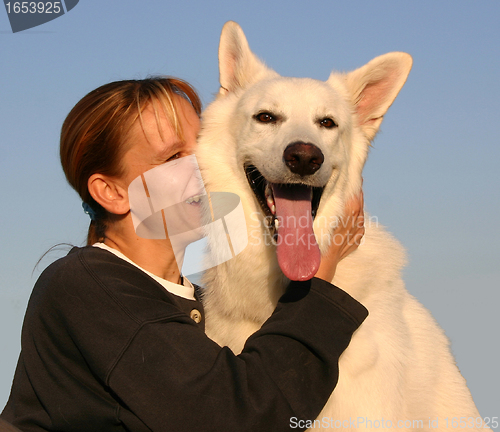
(265, 117)
(327, 123)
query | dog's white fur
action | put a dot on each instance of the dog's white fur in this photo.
(398, 366)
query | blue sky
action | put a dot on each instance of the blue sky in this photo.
(431, 178)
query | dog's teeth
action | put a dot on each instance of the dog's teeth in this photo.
(268, 191)
(276, 223)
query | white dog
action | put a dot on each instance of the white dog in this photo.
(263, 131)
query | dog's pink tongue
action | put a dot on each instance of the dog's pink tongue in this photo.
(298, 253)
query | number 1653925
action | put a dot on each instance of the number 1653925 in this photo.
(34, 7)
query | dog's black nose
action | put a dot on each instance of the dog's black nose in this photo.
(303, 158)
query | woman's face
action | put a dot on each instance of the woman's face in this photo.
(176, 182)
(147, 149)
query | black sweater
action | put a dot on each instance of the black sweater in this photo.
(107, 348)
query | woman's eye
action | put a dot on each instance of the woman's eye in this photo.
(175, 156)
(265, 117)
(327, 123)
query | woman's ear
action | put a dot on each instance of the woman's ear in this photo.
(109, 193)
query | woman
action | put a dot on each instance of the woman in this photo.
(113, 335)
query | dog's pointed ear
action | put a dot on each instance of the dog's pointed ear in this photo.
(238, 65)
(374, 86)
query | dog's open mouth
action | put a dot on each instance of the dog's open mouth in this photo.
(289, 210)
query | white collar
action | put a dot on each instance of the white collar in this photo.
(186, 291)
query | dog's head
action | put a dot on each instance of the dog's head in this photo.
(301, 142)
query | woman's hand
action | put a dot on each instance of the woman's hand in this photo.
(345, 239)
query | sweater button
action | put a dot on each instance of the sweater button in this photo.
(195, 316)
